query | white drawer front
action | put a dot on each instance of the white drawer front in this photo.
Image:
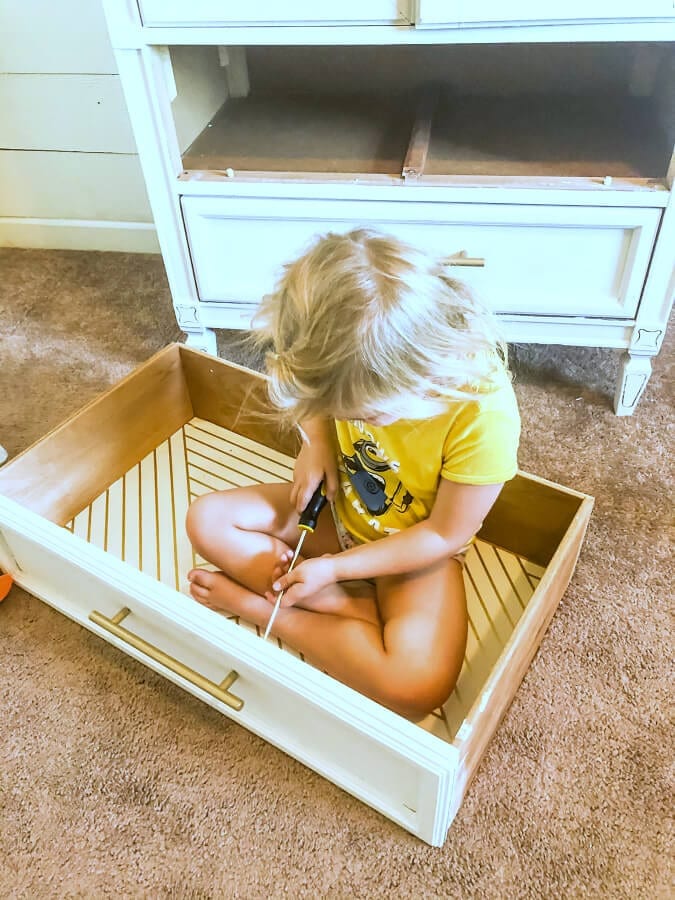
(490, 12)
(539, 260)
(271, 12)
(395, 767)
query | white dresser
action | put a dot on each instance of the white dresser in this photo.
(536, 151)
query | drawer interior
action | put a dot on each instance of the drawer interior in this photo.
(122, 472)
(140, 520)
(534, 110)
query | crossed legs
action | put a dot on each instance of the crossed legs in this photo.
(400, 641)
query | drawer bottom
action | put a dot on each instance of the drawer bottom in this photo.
(140, 520)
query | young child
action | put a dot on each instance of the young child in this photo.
(397, 381)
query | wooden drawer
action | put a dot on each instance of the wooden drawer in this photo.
(538, 260)
(91, 521)
(492, 12)
(270, 12)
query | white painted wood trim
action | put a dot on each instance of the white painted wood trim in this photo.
(74, 234)
(571, 331)
(659, 289)
(122, 18)
(205, 340)
(144, 82)
(518, 13)
(523, 192)
(126, 36)
(177, 13)
(568, 332)
(634, 373)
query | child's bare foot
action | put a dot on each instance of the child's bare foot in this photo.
(216, 591)
(354, 600)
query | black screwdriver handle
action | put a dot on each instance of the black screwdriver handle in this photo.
(310, 513)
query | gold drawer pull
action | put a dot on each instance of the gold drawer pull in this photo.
(461, 259)
(219, 691)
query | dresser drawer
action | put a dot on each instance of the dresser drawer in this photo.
(270, 12)
(493, 12)
(538, 260)
(92, 522)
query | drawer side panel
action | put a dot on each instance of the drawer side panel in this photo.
(66, 470)
(510, 670)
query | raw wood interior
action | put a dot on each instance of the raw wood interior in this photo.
(504, 679)
(531, 517)
(140, 520)
(356, 111)
(235, 398)
(304, 133)
(568, 136)
(563, 135)
(61, 474)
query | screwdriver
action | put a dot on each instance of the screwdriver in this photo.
(307, 524)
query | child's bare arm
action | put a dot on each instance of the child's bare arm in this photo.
(315, 462)
(456, 516)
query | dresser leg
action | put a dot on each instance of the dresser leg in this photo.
(204, 340)
(633, 377)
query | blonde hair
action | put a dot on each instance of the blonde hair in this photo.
(363, 321)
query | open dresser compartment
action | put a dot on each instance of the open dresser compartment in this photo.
(383, 114)
(91, 521)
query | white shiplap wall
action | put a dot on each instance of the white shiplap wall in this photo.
(69, 172)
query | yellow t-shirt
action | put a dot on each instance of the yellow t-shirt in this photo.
(389, 474)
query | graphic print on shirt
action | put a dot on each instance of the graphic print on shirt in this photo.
(375, 480)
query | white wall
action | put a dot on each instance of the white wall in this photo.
(69, 172)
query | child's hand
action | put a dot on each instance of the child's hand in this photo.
(282, 564)
(306, 579)
(315, 463)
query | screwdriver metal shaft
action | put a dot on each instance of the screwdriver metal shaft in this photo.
(277, 602)
(307, 523)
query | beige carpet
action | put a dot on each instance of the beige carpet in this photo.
(115, 783)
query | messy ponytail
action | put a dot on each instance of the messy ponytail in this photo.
(362, 320)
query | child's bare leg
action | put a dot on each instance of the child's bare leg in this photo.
(246, 533)
(409, 663)
(356, 600)
(219, 592)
